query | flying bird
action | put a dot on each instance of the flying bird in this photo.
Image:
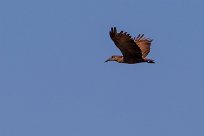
(134, 50)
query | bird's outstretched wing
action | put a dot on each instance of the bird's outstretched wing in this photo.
(144, 44)
(126, 44)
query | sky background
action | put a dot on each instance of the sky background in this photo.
(54, 82)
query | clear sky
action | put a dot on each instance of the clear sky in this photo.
(54, 82)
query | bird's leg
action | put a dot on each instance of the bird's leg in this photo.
(149, 60)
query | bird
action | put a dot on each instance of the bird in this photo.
(134, 50)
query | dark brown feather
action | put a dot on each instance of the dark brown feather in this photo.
(127, 45)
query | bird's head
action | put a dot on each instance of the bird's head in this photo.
(115, 58)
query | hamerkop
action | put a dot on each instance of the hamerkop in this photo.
(134, 50)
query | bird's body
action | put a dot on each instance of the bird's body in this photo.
(134, 50)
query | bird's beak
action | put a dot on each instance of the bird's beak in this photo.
(108, 60)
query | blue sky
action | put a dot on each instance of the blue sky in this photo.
(53, 79)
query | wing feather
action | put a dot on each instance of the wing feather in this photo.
(144, 44)
(126, 44)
